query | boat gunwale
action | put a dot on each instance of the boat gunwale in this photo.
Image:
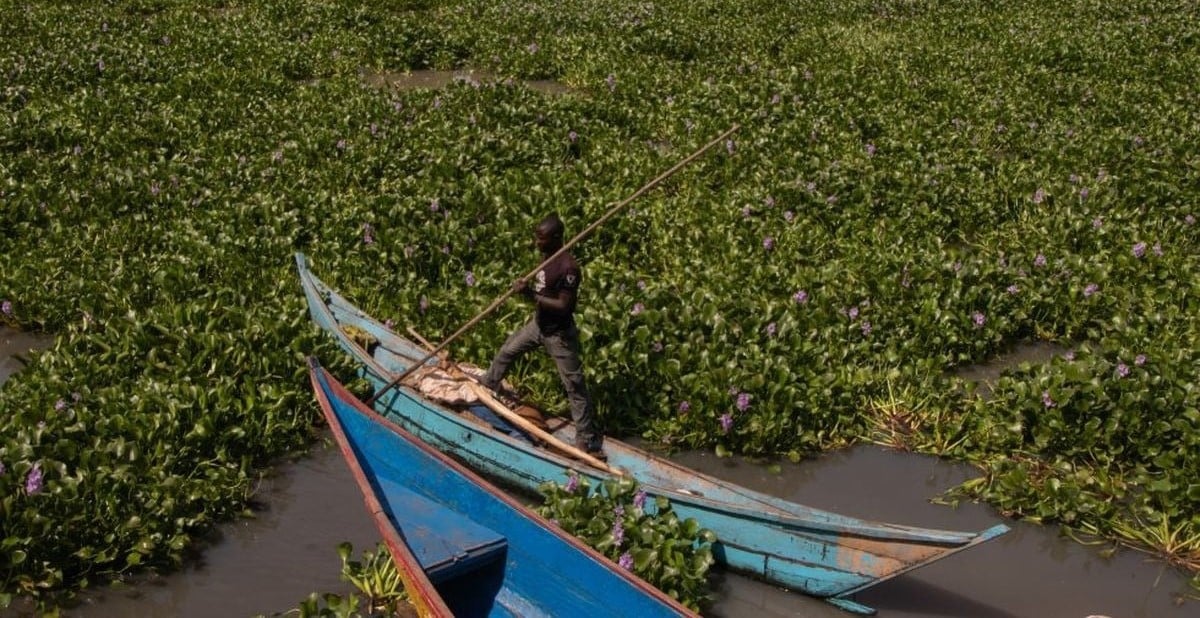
(472, 477)
(778, 516)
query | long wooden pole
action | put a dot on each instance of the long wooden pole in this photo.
(578, 237)
(485, 395)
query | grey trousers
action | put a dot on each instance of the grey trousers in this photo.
(563, 347)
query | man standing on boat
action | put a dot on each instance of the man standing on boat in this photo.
(554, 292)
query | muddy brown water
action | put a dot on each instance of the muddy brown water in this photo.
(435, 79)
(269, 564)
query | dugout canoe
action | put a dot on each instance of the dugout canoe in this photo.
(463, 547)
(816, 552)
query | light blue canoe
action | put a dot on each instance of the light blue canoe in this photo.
(463, 547)
(808, 550)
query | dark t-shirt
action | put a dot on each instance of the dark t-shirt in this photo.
(557, 276)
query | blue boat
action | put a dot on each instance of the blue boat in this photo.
(463, 547)
(817, 552)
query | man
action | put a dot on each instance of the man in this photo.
(553, 292)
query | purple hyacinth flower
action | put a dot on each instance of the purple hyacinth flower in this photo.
(656, 347)
(768, 243)
(729, 146)
(1091, 288)
(1139, 250)
(1069, 355)
(853, 313)
(1047, 400)
(2, 468)
(341, 144)
(638, 308)
(870, 149)
(572, 483)
(1012, 289)
(866, 327)
(684, 406)
(743, 402)
(1122, 370)
(60, 405)
(618, 533)
(572, 137)
(979, 319)
(1190, 219)
(626, 561)
(801, 297)
(1039, 196)
(641, 284)
(1083, 193)
(611, 82)
(1140, 360)
(470, 278)
(1097, 222)
(726, 422)
(771, 329)
(33, 482)
(1039, 261)
(533, 48)
(6, 307)
(769, 201)
(639, 499)
(788, 216)
(368, 234)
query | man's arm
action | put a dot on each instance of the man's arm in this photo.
(563, 300)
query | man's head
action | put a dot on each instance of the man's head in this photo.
(549, 234)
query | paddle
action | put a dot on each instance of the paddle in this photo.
(578, 237)
(498, 407)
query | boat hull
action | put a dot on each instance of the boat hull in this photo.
(809, 550)
(468, 549)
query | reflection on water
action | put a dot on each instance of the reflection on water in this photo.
(1029, 572)
(269, 564)
(986, 374)
(14, 348)
(263, 565)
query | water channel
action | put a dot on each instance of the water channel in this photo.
(268, 564)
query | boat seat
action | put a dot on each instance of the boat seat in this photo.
(446, 543)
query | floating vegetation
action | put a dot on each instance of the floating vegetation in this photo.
(917, 188)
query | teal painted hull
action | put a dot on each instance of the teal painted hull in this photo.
(808, 550)
(471, 551)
